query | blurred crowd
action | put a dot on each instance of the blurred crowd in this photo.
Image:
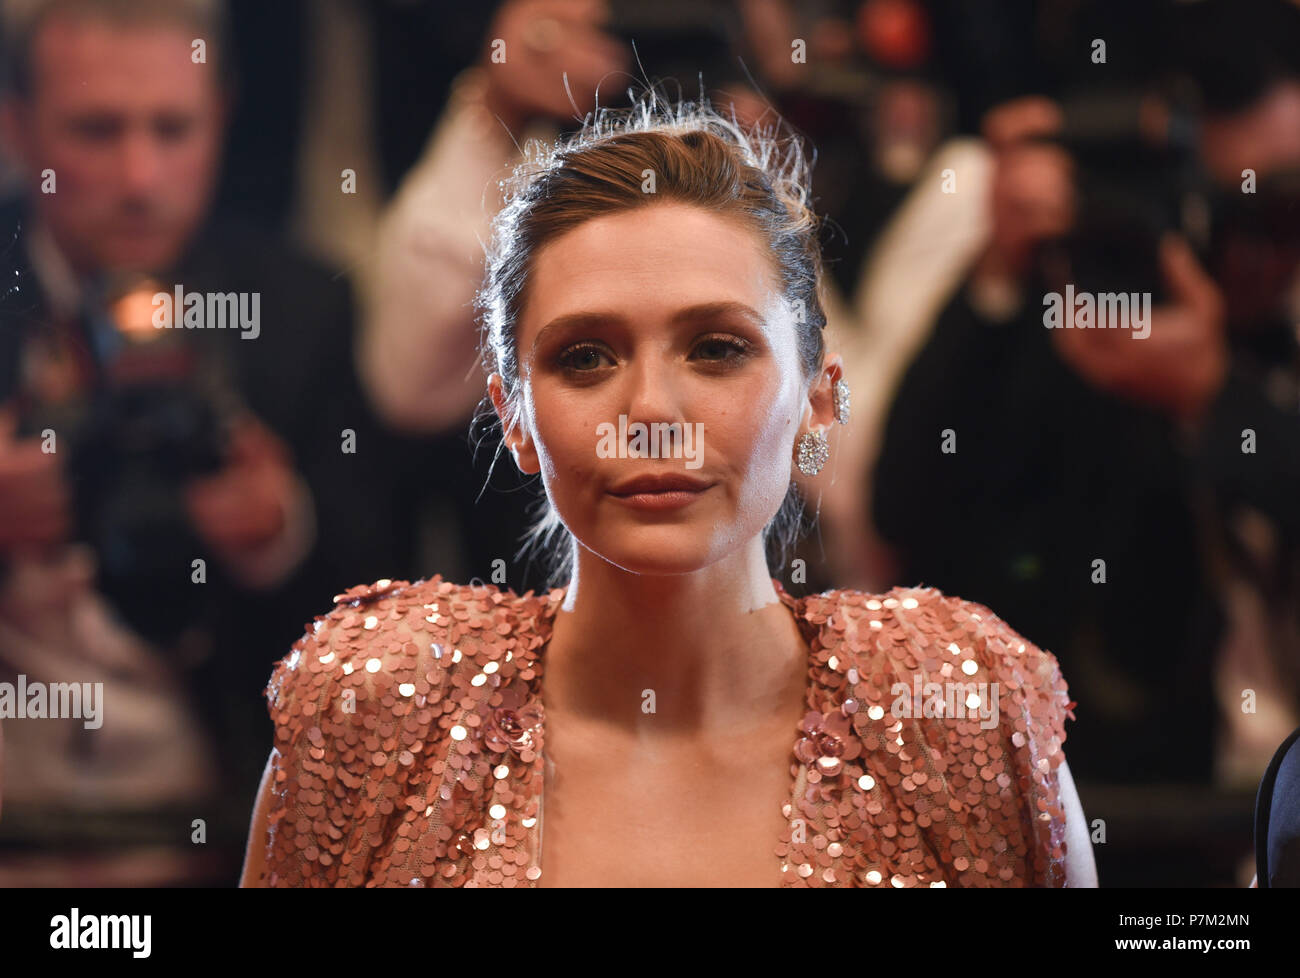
(176, 504)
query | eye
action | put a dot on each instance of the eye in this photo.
(721, 349)
(585, 358)
(96, 129)
(580, 358)
(173, 128)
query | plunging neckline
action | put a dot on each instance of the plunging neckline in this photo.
(546, 622)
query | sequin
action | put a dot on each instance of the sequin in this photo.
(401, 765)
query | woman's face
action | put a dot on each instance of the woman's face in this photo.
(662, 315)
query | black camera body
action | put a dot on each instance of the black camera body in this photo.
(155, 419)
(1140, 175)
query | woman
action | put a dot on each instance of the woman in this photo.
(653, 335)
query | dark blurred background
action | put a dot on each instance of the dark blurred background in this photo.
(1129, 506)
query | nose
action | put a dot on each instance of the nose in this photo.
(140, 161)
(655, 393)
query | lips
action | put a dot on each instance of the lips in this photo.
(659, 483)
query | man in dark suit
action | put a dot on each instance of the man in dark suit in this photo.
(185, 455)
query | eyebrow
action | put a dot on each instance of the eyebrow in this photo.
(703, 312)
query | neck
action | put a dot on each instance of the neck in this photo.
(713, 651)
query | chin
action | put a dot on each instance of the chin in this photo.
(140, 257)
(660, 552)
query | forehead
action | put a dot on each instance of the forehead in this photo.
(87, 61)
(651, 261)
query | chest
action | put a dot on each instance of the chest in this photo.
(686, 817)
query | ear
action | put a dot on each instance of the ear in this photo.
(821, 415)
(517, 437)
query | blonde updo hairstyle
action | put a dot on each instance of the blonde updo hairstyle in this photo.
(698, 157)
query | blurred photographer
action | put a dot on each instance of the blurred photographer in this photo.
(1130, 479)
(163, 467)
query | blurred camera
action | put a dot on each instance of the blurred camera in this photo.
(1140, 175)
(155, 418)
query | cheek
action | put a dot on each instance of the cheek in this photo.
(192, 170)
(772, 441)
(564, 437)
(82, 206)
(756, 441)
(78, 173)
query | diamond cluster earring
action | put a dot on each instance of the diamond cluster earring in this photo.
(814, 448)
(841, 399)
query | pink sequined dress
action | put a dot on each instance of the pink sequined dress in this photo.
(410, 734)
